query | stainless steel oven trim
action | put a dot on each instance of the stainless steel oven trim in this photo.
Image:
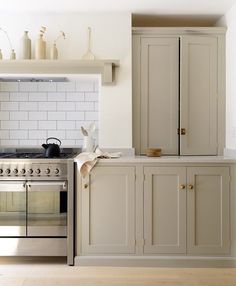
(4, 186)
(30, 184)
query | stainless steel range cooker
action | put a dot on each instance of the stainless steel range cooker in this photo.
(37, 204)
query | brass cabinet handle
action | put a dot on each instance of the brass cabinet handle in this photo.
(85, 186)
(182, 187)
(182, 131)
(190, 187)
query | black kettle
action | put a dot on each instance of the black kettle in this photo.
(51, 149)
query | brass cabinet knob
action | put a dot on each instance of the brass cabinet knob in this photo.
(85, 186)
(190, 187)
(182, 187)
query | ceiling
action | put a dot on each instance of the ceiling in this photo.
(157, 7)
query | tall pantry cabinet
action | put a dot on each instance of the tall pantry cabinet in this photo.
(178, 90)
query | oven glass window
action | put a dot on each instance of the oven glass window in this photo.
(12, 209)
(47, 209)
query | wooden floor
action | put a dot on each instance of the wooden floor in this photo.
(58, 274)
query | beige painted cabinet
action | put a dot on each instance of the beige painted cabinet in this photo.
(178, 90)
(108, 211)
(205, 221)
(164, 210)
(208, 210)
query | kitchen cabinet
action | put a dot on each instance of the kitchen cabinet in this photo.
(178, 90)
(208, 210)
(205, 221)
(164, 210)
(108, 211)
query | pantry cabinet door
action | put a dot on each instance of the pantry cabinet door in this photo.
(164, 210)
(208, 210)
(159, 94)
(198, 95)
(108, 218)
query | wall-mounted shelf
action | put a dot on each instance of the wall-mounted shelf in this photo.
(20, 67)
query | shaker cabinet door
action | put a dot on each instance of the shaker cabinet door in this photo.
(165, 210)
(108, 212)
(198, 95)
(159, 94)
(208, 210)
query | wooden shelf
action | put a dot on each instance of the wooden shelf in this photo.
(20, 67)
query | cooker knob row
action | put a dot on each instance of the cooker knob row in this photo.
(29, 171)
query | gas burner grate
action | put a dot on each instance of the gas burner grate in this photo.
(33, 156)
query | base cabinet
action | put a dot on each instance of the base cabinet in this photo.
(108, 211)
(172, 210)
(164, 210)
(208, 210)
(192, 202)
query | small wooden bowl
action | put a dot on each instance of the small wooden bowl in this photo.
(153, 152)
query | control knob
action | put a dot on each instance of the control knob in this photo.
(47, 171)
(22, 171)
(30, 171)
(56, 171)
(15, 171)
(1, 171)
(8, 171)
(37, 171)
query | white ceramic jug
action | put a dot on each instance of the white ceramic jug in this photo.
(88, 143)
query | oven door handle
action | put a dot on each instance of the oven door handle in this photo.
(12, 186)
(42, 184)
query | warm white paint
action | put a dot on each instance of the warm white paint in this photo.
(191, 7)
(111, 39)
(229, 20)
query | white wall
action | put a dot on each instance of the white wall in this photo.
(229, 21)
(111, 38)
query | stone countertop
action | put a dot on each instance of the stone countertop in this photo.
(170, 159)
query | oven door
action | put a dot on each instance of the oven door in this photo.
(47, 208)
(12, 208)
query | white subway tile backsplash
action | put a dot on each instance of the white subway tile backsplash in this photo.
(47, 124)
(60, 134)
(65, 106)
(85, 105)
(75, 115)
(56, 115)
(19, 96)
(73, 134)
(4, 115)
(47, 105)
(7, 105)
(28, 86)
(9, 86)
(29, 106)
(67, 125)
(37, 96)
(18, 115)
(75, 96)
(91, 96)
(38, 115)
(66, 86)
(30, 111)
(6, 124)
(93, 115)
(47, 86)
(29, 142)
(4, 96)
(28, 124)
(85, 86)
(67, 142)
(56, 96)
(38, 134)
(18, 134)
(9, 142)
(4, 134)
